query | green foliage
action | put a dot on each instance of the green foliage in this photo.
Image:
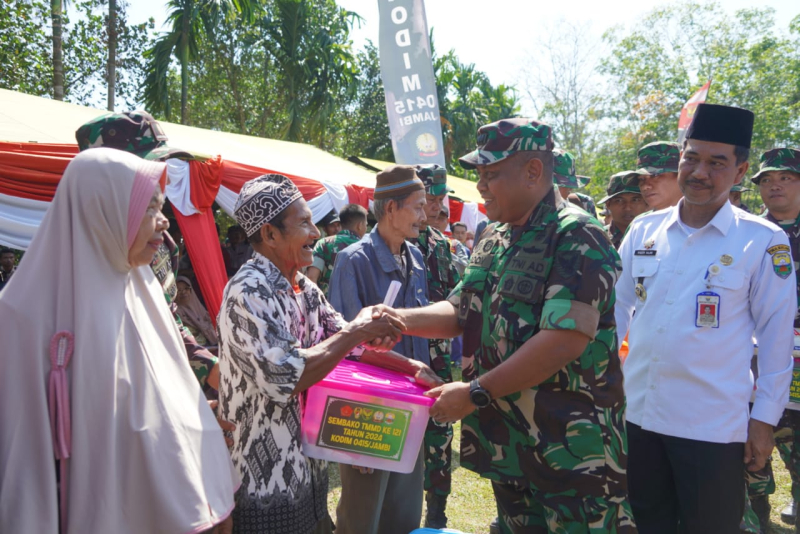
(26, 50)
(467, 100)
(675, 50)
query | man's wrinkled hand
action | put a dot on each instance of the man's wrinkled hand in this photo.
(426, 377)
(452, 404)
(759, 445)
(381, 333)
(363, 470)
(226, 426)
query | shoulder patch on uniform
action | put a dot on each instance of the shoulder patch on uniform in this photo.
(781, 260)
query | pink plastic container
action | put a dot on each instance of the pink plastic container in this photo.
(366, 416)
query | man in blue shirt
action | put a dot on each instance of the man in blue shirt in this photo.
(385, 502)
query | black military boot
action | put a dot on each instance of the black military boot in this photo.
(761, 507)
(494, 526)
(789, 513)
(434, 516)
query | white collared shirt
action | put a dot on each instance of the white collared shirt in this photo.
(695, 382)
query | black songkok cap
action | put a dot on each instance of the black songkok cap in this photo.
(722, 124)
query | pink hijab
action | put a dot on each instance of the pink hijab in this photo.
(146, 453)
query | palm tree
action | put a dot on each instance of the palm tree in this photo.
(56, 11)
(191, 20)
(309, 43)
(111, 69)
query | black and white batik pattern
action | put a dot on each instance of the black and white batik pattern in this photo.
(261, 199)
(264, 327)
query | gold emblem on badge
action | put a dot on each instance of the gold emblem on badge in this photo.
(641, 292)
(726, 260)
(649, 243)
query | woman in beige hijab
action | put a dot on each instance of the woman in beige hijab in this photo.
(93, 373)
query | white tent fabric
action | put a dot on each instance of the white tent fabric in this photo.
(178, 187)
(19, 219)
(320, 206)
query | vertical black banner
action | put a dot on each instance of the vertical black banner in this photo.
(407, 73)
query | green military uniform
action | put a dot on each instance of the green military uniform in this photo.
(136, 132)
(325, 252)
(564, 176)
(442, 278)
(761, 484)
(617, 185)
(556, 453)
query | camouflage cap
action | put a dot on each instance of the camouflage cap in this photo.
(564, 169)
(498, 140)
(738, 188)
(583, 181)
(434, 177)
(778, 159)
(658, 157)
(618, 184)
(136, 132)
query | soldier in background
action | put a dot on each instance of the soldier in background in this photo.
(657, 174)
(567, 181)
(736, 197)
(778, 182)
(624, 203)
(353, 219)
(331, 224)
(442, 279)
(542, 403)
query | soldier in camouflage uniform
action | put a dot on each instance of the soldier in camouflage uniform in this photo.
(625, 203)
(442, 279)
(139, 133)
(544, 408)
(353, 219)
(736, 197)
(657, 174)
(567, 181)
(778, 180)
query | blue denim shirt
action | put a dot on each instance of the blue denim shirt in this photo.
(361, 277)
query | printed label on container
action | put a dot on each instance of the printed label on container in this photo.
(369, 429)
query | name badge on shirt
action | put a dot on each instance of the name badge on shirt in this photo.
(707, 311)
(648, 252)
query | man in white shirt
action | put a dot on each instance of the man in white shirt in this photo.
(702, 278)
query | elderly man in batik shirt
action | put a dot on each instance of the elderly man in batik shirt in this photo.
(278, 337)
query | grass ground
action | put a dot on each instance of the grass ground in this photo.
(471, 505)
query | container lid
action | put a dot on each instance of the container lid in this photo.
(370, 380)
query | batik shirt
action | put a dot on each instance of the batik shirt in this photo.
(566, 435)
(264, 326)
(325, 252)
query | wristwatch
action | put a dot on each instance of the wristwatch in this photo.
(479, 396)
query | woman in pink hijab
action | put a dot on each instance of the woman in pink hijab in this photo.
(93, 373)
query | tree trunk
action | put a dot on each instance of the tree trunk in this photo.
(111, 68)
(58, 61)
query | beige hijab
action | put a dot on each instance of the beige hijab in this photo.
(147, 454)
